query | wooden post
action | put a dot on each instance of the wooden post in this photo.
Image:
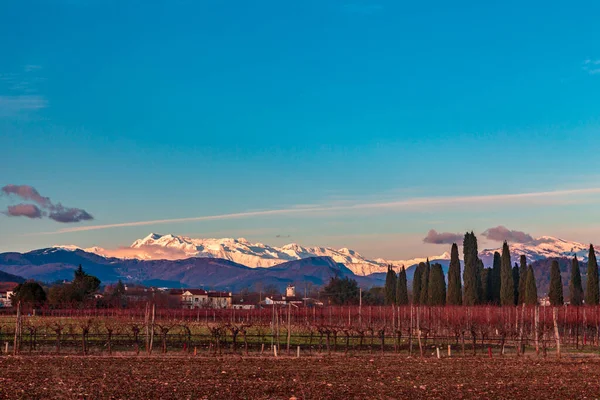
(360, 306)
(147, 327)
(449, 351)
(521, 344)
(298, 352)
(152, 329)
(289, 327)
(437, 349)
(262, 348)
(17, 330)
(556, 334)
(275, 350)
(410, 332)
(419, 331)
(6, 348)
(537, 330)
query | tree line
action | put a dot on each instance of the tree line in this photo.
(80, 290)
(502, 284)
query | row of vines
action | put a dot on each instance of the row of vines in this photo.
(289, 330)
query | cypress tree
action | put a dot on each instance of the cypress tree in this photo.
(516, 282)
(486, 276)
(481, 289)
(497, 267)
(454, 284)
(507, 287)
(555, 293)
(425, 284)
(437, 286)
(523, 271)
(471, 275)
(416, 283)
(530, 295)
(402, 288)
(575, 288)
(591, 293)
(390, 286)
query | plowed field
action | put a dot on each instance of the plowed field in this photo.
(389, 377)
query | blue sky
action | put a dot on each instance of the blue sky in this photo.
(140, 111)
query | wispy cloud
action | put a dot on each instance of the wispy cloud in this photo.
(591, 66)
(14, 105)
(19, 92)
(422, 203)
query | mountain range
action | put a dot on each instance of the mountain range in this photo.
(259, 255)
(56, 264)
(176, 261)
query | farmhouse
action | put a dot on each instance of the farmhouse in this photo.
(5, 300)
(200, 298)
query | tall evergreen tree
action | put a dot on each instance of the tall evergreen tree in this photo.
(555, 293)
(496, 275)
(522, 282)
(481, 289)
(425, 284)
(402, 288)
(516, 282)
(390, 286)
(471, 276)
(530, 294)
(486, 276)
(437, 286)
(417, 284)
(591, 292)
(79, 273)
(454, 284)
(507, 287)
(575, 288)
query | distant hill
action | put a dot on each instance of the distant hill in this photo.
(49, 265)
(255, 255)
(259, 255)
(5, 277)
(56, 263)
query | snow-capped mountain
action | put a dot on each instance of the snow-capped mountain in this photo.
(173, 247)
(541, 248)
(251, 254)
(241, 251)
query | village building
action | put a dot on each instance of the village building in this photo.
(5, 298)
(290, 298)
(200, 298)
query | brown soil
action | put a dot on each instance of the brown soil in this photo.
(389, 377)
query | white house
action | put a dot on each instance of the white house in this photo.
(200, 298)
(5, 298)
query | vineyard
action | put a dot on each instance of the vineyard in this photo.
(410, 330)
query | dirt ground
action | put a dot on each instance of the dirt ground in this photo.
(389, 377)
